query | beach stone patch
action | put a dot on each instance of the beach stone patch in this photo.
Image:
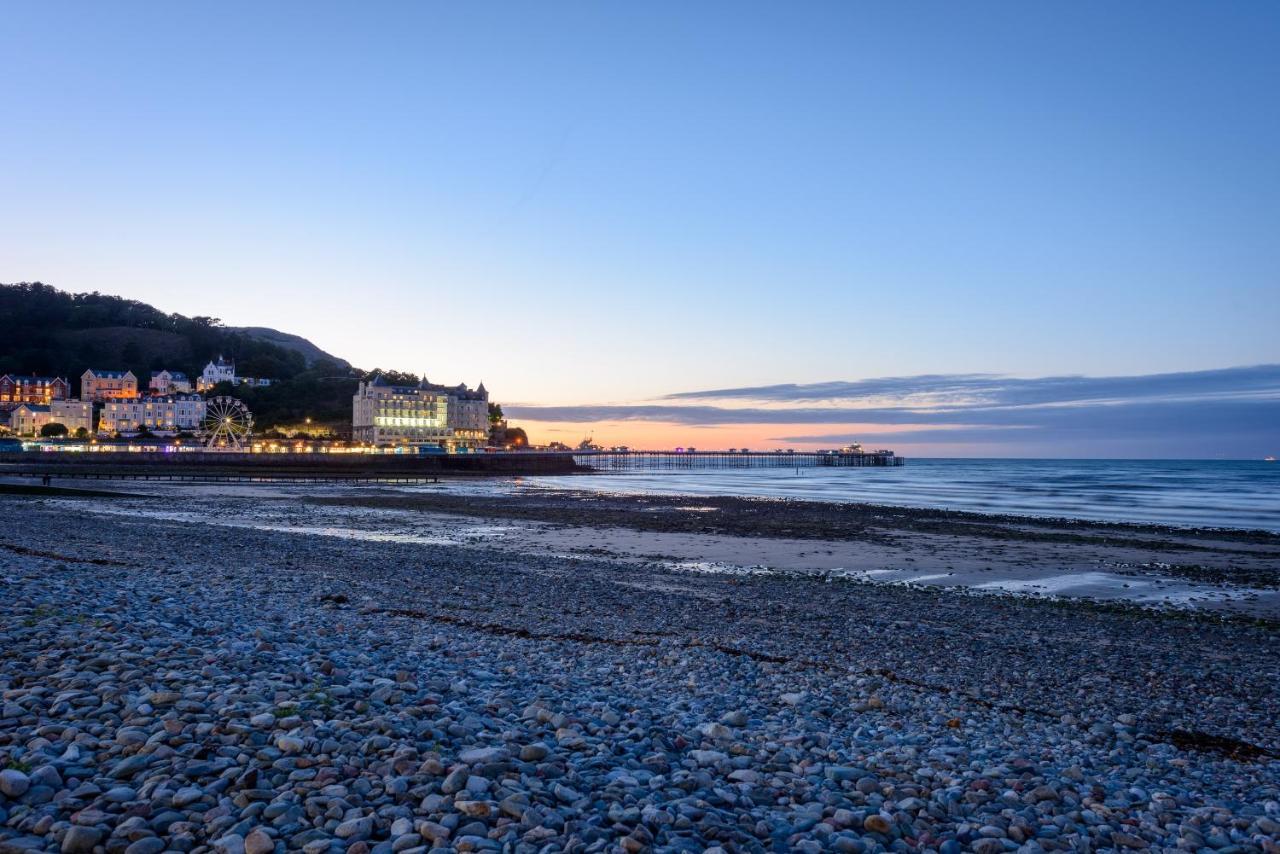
(222, 705)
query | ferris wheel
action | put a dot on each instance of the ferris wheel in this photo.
(228, 423)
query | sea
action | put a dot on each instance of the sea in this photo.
(1190, 493)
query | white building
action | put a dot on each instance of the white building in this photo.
(170, 382)
(73, 414)
(220, 371)
(164, 414)
(29, 418)
(223, 371)
(469, 416)
(452, 419)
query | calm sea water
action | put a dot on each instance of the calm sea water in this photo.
(1236, 494)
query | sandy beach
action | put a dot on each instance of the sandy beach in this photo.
(271, 669)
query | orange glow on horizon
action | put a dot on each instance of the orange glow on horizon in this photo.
(654, 435)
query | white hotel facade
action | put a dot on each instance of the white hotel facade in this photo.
(75, 415)
(453, 418)
(171, 413)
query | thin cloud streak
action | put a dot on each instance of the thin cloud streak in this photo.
(1170, 414)
(994, 390)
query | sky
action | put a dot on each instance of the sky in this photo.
(605, 211)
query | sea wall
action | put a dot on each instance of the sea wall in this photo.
(319, 465)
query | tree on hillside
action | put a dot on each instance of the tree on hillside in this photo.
(51, 332)
(393, 377)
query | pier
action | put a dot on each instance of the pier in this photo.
(694, 460)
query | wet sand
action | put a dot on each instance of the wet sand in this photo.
(1224, 570)
(1229, 570)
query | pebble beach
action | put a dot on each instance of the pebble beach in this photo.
(174, 687)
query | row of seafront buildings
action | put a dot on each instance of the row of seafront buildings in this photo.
(423, 416)
(167, 405)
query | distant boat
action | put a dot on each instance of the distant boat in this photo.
(1268, 459)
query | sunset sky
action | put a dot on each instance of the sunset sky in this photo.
(1007, 229)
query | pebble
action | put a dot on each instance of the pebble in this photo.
(258, 842)
(146, 845)
(80, 839)
(876, 823)
(14, 783)
(232, 843)
(480, 755)
(186, 796)
(534, 752)
(357, 828)
(455, 782)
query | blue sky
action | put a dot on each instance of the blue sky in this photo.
(604, 204)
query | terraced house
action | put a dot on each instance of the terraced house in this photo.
(99, 386)
(16, 389)
(171, 413)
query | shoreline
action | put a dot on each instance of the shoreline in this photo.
(1229, 570)
(223, 688)
(545, 501)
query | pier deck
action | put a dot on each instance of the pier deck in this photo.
(692, 460)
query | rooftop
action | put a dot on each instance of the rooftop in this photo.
(27, 380)
(460, 390)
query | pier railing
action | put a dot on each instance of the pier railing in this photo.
(689, 460)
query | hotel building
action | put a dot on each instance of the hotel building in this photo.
(29, 418)
(100, 386)
(42, 391)
(449, 418)
(165, 414)
(468, 416)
